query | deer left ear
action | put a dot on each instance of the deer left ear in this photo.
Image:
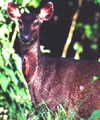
(13, 11)
(46, 12)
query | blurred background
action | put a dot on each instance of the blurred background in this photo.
(86, 36)
(74, 27)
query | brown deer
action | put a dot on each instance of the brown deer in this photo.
(56, 80)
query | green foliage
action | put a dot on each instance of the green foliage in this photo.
(97, 1)
(88, 31)
(94, 46)
(78, 46)
(46, 114)
(95, 115)
(33, 3)
(44, 50)
(70, 3)
(95, 78)
(14, 94)
(91, 32)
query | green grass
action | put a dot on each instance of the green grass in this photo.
(43, 111)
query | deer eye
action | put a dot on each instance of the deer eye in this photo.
(20, 22)
(36, 22)
(20, 25)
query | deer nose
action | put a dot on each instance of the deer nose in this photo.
(25, 39)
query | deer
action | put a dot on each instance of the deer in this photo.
(58, 81)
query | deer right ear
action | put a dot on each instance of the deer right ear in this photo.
(46, 12)
(13, 11)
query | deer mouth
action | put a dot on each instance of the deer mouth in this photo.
(26, 39)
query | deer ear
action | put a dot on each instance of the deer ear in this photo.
(13, 11)
(46, 12)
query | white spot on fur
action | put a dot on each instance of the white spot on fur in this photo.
(81, 88)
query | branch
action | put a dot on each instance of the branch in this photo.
(14, 36)
(72, 28)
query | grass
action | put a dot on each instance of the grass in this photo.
(42, 112)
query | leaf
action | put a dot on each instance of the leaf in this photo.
(3, 31)
(88, 31)
(95, 115)
(11, 93)
(95, 26)
(71, 4)
(79, 25)
(12, 110)
(43, 50)
(48, 116)
(18, 62)
(5, 55)
(95, 78)
(1, 62)
(94, 46)
(78, 46)
(11, 74)
(34, 3)
(2, 18)
(4, 82)
(99, 60)
(97, 1)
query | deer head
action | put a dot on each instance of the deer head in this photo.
(29, 24)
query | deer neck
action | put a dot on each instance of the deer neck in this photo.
(32, 62)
